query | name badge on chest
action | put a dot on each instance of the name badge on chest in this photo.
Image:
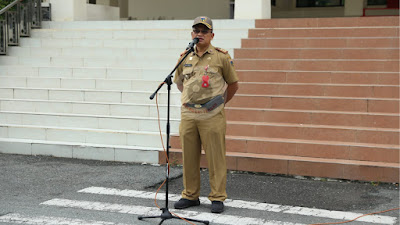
(205, 78)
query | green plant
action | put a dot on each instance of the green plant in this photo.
(373, 183)
(4, 3)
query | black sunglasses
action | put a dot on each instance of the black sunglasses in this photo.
(201, 31)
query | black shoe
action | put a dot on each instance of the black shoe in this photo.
(217, 207)
(184, 203)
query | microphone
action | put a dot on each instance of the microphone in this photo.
(192, 43)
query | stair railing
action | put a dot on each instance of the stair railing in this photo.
(16, 20)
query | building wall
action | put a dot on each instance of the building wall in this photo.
(102, 12)
(68, 11)
(72, 10)
(79, 10)
(178, 9)
(352, 8)
(288, 9)
(307, 12)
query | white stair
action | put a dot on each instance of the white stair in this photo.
(81, 89)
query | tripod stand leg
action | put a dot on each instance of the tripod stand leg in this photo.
(193, 220)
(147, 217)
(166, 215)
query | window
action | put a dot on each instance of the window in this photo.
(319, 3)
(377, 2)
(92, 1)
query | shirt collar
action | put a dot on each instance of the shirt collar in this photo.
(210, 50)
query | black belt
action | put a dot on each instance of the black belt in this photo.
(209, 106)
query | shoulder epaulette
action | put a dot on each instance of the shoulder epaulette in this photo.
(221, 50)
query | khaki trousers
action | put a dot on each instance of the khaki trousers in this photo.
(211, 134)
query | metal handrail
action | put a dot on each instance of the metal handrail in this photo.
(18, 23)
(5, 9)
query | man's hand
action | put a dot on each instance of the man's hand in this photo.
(230, 91)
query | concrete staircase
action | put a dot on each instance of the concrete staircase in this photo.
(81, 89)
(318, 97)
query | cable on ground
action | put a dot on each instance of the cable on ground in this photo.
(166, 156)
(348, 221)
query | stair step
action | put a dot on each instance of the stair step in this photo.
(371, 105)
(102, 42)
(134, 34)
(8, 60)
(69, 61)
(321, 42)
(133, 123)
(87, 95)
(94, 52)
(310, 77)
(320, 53)
(254, 88)
(332, 90)
(82, 135)
(81, 84)
(308, 148)
(305, 166)
(329, 22)
(324, 32)
(126, 52)
(314, 132)
(92, 108)
(313, 117)
(318, 65)
(155, 74)
(144, 24)
(78, 150)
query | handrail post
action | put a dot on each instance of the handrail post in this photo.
(3, 37)
(13, 27)
(37, 14)
(25, 18)
(16, 20)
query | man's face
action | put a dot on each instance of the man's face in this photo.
(204, 35)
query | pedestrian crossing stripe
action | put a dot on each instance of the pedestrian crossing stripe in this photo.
(304, 211)
(41, 220)
(153, 211)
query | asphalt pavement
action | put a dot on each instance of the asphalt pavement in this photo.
(48, 190)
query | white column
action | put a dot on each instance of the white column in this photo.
(254, 9)
(70, 10)
(80, 10)
(353, 8)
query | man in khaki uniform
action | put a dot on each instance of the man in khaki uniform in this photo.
(207, 80)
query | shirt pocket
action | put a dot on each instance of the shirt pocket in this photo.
(212, 71)
(187, 73)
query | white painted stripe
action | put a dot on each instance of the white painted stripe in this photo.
(250, 205)
(43, 220)
(152, 211)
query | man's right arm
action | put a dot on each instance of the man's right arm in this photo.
(180, 87)
(178, 72)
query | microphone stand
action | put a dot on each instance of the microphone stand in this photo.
(166, 214)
